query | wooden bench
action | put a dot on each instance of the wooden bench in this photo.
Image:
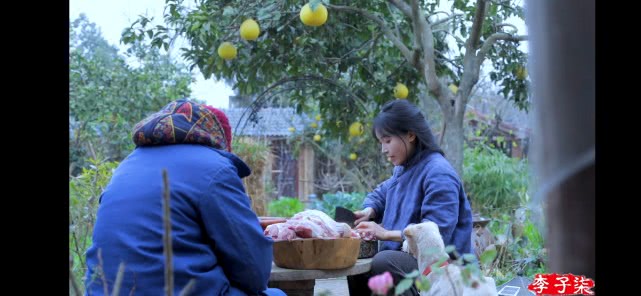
(300, 282)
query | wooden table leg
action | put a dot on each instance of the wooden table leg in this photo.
(295, 288)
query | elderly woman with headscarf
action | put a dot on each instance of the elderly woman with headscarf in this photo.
(217, 242)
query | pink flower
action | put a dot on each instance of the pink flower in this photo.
(381, 283)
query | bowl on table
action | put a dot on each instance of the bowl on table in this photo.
(316, 253)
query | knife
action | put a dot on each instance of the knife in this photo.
(344, 215)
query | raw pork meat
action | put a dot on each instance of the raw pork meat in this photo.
(310, 224)
(280, 231)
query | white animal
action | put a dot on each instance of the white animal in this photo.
(425, 236)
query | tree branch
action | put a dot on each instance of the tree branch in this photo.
(475, 35)
(487, 45)
(381, 23)
(360, 46)
(438, 22)
(506, 25)
(407, 10)
(403, 7)
(452, 62)
(396, 30)
(441, 30)
(424, 36)
(471, 64)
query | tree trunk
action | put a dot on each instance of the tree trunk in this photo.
(451, 136)
(452, 140)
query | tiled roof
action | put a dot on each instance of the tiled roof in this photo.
(271, 122)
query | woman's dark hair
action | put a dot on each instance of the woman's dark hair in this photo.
(398, 117)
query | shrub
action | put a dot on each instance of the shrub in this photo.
(494, 182)
(285, 207)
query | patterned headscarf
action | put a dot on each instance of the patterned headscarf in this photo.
(224, 123)
(184, 122)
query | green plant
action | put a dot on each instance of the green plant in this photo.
(285, 207)
(520, 247)
(531, 252)
(352, 201)
(84, 193)
(494, 182)
(470, 273)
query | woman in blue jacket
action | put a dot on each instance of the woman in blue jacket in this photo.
(423, 187)
(218, 244)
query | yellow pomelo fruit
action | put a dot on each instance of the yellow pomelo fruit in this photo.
(400, 91)
(313, 18)
(227, 51)
(356, 129)
(249, 29)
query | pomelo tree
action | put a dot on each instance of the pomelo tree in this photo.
(348, 61)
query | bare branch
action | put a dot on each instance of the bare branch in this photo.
(487, 45)
(102, 273)
(167, 242)
(187, 289)
(423, 33)
(381, 23)
(118, 283)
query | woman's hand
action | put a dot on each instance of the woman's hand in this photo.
(370, 230)
(364, 215)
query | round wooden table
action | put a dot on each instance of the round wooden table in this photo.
(300, 282)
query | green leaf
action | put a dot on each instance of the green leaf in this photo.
(194, 26)
(466, 275)
(422, 283)
(450, 249)
(412, 274)
(469, 257)
(487, 257)
(402, 286)
(229, 11)
(493, 8)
